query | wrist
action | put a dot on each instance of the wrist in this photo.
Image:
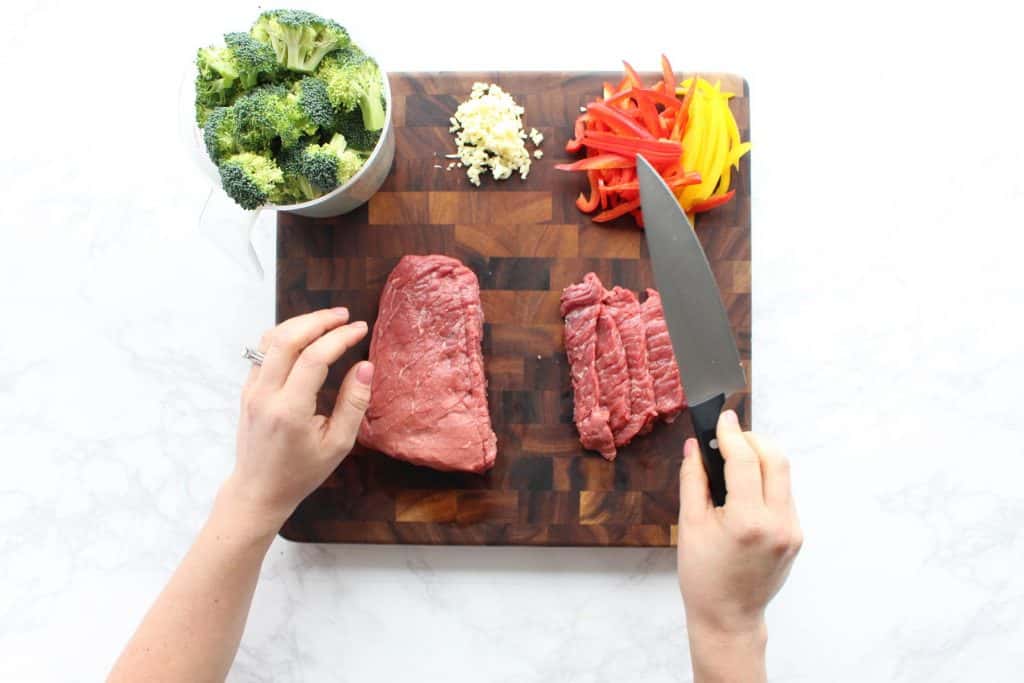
(260, 518)
(728, 650)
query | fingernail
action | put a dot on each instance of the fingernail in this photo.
(688, 447)
(728, 419)
(360, 323)
(364, 373)
(340, 311)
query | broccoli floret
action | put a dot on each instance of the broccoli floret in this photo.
(268, 113)
(328, 165)
(250, 179)
(296, 187)
(350, 124)
(311, 94)
(255, 61)
(216, 80)
(219, 134)
(225, 71)
(299, 39)
(354, 80)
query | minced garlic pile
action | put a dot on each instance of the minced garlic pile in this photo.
(489, 134)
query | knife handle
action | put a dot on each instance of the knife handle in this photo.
(705, 420)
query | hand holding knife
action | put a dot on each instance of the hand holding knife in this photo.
(709, 363)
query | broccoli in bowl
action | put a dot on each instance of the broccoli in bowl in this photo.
(290, 110)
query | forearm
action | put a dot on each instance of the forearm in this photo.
(721, 657)
(192, 631)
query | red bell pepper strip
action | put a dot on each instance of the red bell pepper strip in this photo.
(617, 121)
(598, 162)
(650, 114)
(691, 178)
(661, 151)
(671, 102)
(638, 216)
(668, 78)
(603, 192)
(712, 202)
(631, 75)
(574, 145)
(587, 205)
(620, 210)
(683, 115)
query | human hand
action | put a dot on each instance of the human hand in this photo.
(733, 559)
(285, 450)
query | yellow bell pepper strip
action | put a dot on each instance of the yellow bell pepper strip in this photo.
(711, 144)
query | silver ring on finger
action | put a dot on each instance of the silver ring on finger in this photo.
(252, 355)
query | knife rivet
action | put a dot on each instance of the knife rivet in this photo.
(713, 443)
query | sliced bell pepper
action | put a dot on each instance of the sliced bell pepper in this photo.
(678, 181)
(599, 161)
(620, 210)
(713, 203)
(665, 151)
(631, 75)
(668, 78)
(671, 102)
(617, 121)
(587, 205)
(649, 113)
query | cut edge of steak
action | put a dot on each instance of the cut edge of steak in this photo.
(428, 403)
(669, 396)
(581, 308)
(612, 373)
(625, 309)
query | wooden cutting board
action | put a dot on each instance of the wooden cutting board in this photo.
(526, 241)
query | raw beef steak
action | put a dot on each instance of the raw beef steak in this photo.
(661, 359)
(581, 308)
(429, 393)
(624, 309)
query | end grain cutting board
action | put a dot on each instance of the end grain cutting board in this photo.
(526, 241)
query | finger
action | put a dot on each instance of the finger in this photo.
(694, 495)
(742, 465)
(254, 371)
(774, 471)
(311, 367)
(288, 339)
(353, 400)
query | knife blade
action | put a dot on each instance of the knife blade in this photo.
(709, 363)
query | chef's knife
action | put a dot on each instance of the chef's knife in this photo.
(709, 363)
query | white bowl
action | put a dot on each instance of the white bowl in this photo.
(342, 199)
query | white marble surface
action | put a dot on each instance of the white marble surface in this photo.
(888, 195)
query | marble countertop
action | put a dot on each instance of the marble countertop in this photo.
(887, 203)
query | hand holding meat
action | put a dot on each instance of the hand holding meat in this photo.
(733, 559)
(285, 450)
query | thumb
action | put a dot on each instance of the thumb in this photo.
(353, 400)
(694, 495)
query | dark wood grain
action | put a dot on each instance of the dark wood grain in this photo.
(526, 241)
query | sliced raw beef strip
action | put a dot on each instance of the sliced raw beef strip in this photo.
(612, 373)
(624, 308)
(429, 393)
(581, 308)
(661, 359)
